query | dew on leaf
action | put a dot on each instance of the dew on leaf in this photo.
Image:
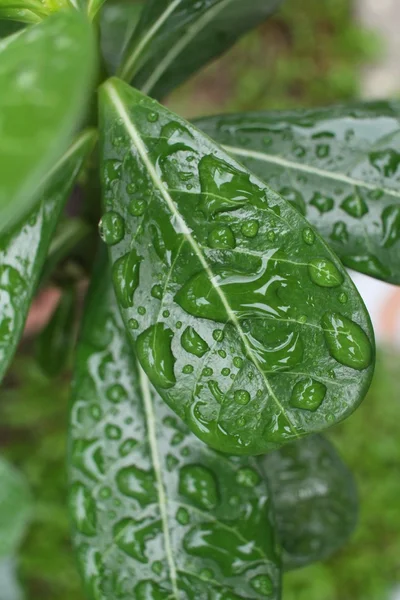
(322, 202)
(308, 394)
(308, 236)
(221, 237)
(199, 485)
(250, 228)
(262, 584)
(152, 117)
(207, 372)
(116, 393)
(187, 369)
(355, 206)
(242, 397)
(247, 477)
(83, 508)
(157, 291)
(155, 354)
(324, 273)
(137, 483)
(218, 335)
(113, 432)
(137, 207)
(216, 391)
(126, 277)
(340, 233)
(385, 161)
(182, 516)
(390, 225)
(343, 298)
(193, 343)
(133, 324)
(111, 228)
(141, 310)
(366, 263)
(346, 341)
(225, 372)
(127, 446)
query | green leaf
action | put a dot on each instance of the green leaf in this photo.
(29, 11)
(10, 588)
(23, 251)
(15, 508)
(156, 513)
(117, 23)
(55, 342)
(242, 317)
(340, 166)
(45, 77)
(315, 500)
(176, 38)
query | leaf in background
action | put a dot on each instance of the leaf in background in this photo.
(15, 508)
(340, 166)
(45, 76)
(176, 38)
(156, 513)
(117, 23)
(27, 11)
(242, 317)
(55, 342)
(315, 500)
(9, 586)
(8, 28)
(23, 251)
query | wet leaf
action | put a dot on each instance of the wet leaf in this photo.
(176, 38)
(315, 500)
(117, 23)
(55, 342)
(15, 508)
(340, 166)
(45, 76)
(156, 513)
(23, 250)
(242, 317)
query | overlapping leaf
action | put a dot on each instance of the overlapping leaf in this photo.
(315, 500)
(23, 250)
(340, 166)
(15, 508)
(156, 513)
(45, 75)
(118, 20)
(175, 38)
(242, 317)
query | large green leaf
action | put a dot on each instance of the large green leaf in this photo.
(157, 515)
(242, 317)
(45, 75)
(315, 499)
(23, 250)
(340, 166)
(118, 20)
(176, 37)
(15, 508)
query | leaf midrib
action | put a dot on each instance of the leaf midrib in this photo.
(136, 139)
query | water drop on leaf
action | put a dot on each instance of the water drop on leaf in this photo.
(155, 354)
(324, 273)
(308, 394)
(346, 341)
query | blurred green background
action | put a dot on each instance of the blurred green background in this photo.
(311, 53)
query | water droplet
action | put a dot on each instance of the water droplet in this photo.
(199, 485)
(216, 391)
(248, 477)
(131, 536)
(105, 493)
(225, 372)
(222, 353)
(324, 273)
(221, 237)
(182, 516)
(322, 203)
(137, 207)
(131, 188)
(113, 432)
(368, 264)
(166, 314)
(355, 206)
(302, 319)
(207, 372)
(250, 228)
(116, 393)
(308, 394)
(171, 462)
(193, 343)
(152, 117)
(271, 235)
(133, 324)
(322, 150)
(83, 508)
(138, 484)
(346, 341)
(126, 277)
(178, 324)
(157, 567)
(343, 298)
(238, 362)
(149, 590)
(157, 291)
(187, 369)
(340, 233)
(155, 354)
(242, 397)
(141, 310)
(262, 584)
(391, 225)
(308, 236)
(218, 335)
(127, 446)
(385, 161)
(111, 228)
(207, 574)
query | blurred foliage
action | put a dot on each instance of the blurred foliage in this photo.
(309, 54)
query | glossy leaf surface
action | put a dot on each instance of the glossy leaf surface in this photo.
(15, 508)
(117, 23)
(45, 75)
(157, 515)
(242, 317)
(315, 500)
(23, 251)
(340, 166)
(55, 342)
(176, 38)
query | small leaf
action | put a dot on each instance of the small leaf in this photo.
(15, 508)
(206, 245)
(23, 251)
(55, 342)
(156, 513)
(117, 24)
(45, 77)
(176, 38)
(340, 166)
(315, 500)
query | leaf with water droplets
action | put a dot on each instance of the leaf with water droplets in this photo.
(315, 500)
(24, 249)
(156, 513)
(350, 192)
(242, 306)
(45, 77)
(175, 38)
